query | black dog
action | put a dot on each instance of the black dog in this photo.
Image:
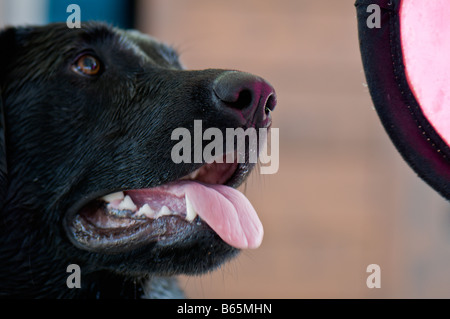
(86, 174)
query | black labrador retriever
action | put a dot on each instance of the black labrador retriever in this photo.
(86, 170)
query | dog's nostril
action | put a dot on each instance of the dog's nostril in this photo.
(270, 104)
(244, 100)
(235, 89)
(246, 93)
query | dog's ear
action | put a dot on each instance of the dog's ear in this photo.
(7, 43)
(3, 167)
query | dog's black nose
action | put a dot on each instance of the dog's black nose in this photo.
(251, 97)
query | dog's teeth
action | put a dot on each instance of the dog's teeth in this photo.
(127, 204)
(190, 212)
(146, 211)
(114, 196)
(164, 211)
(191, 176)
(194, 174)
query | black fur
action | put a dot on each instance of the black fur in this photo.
(65, 137)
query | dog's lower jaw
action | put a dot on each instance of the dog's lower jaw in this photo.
(162, 288)
(105, 285)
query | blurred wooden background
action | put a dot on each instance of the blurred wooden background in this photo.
(342, 198)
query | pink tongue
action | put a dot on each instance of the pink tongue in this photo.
(226, 210)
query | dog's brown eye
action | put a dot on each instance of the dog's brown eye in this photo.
(87, 64)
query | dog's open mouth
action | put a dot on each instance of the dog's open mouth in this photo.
(125, 219)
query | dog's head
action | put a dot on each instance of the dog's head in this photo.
(87, 144)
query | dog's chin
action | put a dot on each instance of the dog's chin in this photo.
(199, 219)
